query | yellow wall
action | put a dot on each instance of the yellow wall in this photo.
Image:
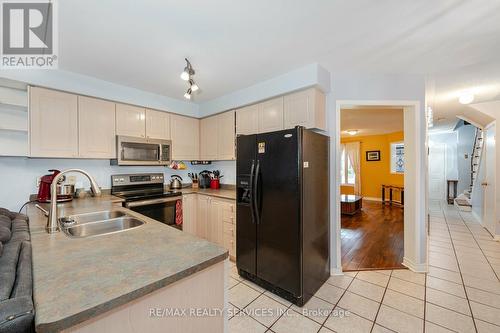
(375, 173)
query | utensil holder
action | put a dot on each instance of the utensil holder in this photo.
(195, 183)
(214, 184)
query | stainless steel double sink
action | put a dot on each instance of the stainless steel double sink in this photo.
(98, 223)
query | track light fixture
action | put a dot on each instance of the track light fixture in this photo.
(188, 71)
(186, 75)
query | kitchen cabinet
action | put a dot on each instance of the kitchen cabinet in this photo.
(271, 115)
(217, 137)
(157, 125)
(229, 226)
(215, 224)
(203, 204)
(247, 120)
(53, 123)
(211, 218)
(209, 138)
(305, 108)
(226, 149)
(189, 213)
(185, 138)
(96, 128)
(130, 120)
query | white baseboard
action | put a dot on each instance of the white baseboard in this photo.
(419, 268)
(336, 271)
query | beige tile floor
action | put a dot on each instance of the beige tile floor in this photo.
(460, 293)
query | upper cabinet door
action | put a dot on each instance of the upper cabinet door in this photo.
(157, 125)
(209, 138)
(226, 140)
(305, 108)
(271, 115)
(53, 123)
(130, 120)
(96, 128)
(185, 138)
(247, 120)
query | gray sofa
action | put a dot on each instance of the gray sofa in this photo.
(16, 282)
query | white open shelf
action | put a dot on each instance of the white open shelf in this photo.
(13, 119)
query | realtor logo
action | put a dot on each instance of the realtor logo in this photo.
(29, 35)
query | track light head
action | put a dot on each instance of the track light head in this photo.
(193, 85)
(188, 71)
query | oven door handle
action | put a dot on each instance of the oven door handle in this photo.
(133, 204)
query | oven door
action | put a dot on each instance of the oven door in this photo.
(161, 210)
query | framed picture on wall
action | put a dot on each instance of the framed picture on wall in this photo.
(373, 155)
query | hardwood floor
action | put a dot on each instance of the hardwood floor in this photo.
(373, 238)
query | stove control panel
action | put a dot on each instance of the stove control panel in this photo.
(137, 179)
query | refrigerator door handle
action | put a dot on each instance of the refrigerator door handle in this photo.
(255, 193)
(252, 194)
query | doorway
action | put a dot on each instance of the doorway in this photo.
(415, 182)
(372, 187)
(437, 173)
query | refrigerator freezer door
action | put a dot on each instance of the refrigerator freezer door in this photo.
(246, 227)
(278, 231)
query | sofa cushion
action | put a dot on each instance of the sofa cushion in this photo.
(24, 279)
(8, 213)
(5, 221)
(5, 234)
(17, 315)
(20, 230)
(8, 268)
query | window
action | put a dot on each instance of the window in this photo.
(349, 177)
(397, 157)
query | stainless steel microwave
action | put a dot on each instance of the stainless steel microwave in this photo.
(142, 151)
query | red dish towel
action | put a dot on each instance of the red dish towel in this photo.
(178, 212)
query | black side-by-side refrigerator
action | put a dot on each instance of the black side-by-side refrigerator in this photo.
(282, 223)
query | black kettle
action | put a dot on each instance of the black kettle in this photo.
(204, 181)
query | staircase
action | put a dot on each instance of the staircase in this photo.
(463, 201)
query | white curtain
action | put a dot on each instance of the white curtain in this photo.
(352, 152)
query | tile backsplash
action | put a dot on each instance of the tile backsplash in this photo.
(20, 174)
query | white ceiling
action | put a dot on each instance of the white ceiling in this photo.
(233, 45)
(371, 121)
(483, 80)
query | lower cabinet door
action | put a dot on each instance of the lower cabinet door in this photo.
(202, 214)
(230, 244)
(189, 213)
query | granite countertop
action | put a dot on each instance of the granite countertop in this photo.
(226, 192)
(75, 279)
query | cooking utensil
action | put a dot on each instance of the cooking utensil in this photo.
(175, 182)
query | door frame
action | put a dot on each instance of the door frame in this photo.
(416, 187)
(491, 228)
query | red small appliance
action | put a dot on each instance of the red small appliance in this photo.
(44, 188)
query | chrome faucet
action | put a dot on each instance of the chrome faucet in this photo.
(52, 226)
